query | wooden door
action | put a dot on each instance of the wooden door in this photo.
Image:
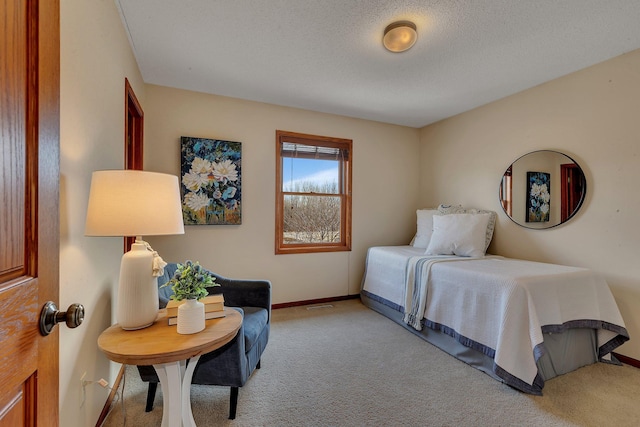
(29, 188)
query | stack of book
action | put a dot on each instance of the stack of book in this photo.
(213, 308)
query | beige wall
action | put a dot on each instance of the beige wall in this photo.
(594, 117)
(385, 189)
(95, 59)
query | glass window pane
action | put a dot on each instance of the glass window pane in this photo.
(310, 175)
(311, 219)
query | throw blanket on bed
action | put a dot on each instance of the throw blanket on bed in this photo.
(505, 305)
(416, 283)
(385, 272)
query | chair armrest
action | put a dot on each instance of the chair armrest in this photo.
(240, 293)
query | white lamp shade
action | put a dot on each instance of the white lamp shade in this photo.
(133, 203)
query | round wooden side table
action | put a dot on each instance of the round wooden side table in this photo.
(161, 346)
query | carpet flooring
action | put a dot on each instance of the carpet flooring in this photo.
(342, 364)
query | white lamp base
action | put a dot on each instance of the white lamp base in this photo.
(138, 289)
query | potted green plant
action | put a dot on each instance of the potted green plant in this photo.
(190, 283)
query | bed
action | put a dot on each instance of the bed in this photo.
(521, 322)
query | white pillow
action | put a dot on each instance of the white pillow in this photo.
(459, 209)
(458, 234)
(424, 227)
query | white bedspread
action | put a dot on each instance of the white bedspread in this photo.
(503, 304)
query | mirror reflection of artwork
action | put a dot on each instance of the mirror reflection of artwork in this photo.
(210, 181)
(567, 188)
(538, 196)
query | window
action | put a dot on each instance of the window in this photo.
(313, 193)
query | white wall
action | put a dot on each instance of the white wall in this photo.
(385, 189)
(95, 59)
(594, 117)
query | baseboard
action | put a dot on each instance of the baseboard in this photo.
(313, 301)
(627, 360)
(109, 402)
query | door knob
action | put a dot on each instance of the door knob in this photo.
(50, 316)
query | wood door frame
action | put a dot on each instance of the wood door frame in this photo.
(133, 138)
(569, 203)
(48, 255)
(133, 129)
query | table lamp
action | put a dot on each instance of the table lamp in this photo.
(135, 203)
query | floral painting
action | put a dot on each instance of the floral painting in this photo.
(211, 181)
(538, 196)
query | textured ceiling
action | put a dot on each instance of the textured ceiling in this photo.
(327, 55)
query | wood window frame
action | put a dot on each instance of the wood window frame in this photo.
(345, 176)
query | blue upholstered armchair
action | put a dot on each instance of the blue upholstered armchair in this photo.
(233, 364)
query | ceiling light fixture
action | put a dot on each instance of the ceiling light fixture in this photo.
(400, 36)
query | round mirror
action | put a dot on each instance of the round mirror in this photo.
(542, 189)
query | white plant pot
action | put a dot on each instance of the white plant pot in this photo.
(190, 317)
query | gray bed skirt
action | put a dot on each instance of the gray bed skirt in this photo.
(561, 352)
